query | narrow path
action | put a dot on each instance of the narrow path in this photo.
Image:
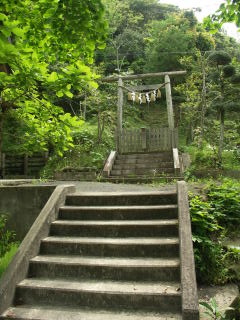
(83, 186)
(86, 186)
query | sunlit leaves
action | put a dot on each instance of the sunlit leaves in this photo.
(227, 12)
(48, 46)
(53, 77)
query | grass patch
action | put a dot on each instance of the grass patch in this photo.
(6, 259)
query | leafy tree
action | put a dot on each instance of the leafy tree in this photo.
(152, 10)
(46, 48)
(227, 12)
(224, 95)
(194, 90)
(124, 36)
(168, 40)
(128, 20)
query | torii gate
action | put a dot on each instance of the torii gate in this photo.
(167, 84)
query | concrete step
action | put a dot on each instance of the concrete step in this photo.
(144, 161)
(119, 212)
(126, 269)
(162, 296)
(64, 313)
(111, 247)
(142, 172)
(116, 228)
(121, 198)
(152, 155)
(142, 179)
(147, 166)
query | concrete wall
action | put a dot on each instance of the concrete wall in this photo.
(22, 205)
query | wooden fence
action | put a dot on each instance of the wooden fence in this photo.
(18, 165)
(147, 140)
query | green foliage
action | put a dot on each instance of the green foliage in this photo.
(236, 79)
(228, 71)
(173, 34)
(6, 259)
(214, 216)
(46, 49)
(212, 310)
(86, 151)
(128, 32)
(209, 266)
(6, 236)
(227, 12)
(219, 58)
(205, 158)
(225, 201)
(209, 95)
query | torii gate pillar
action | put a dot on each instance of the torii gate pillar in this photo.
(120, 106)
(169, 102)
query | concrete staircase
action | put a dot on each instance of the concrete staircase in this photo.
(143, 167)
(108, 256)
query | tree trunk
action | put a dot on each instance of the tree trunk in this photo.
(203, 100)
(190, 135)
(221, 137)
(221, 118)
(100, 127)
(84, 108)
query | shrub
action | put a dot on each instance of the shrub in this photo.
(205, 158)
(207, 253)
(6, 236)
(225, 201)
(214, 216)
(5, 260)
(7, 245)
(219, 58)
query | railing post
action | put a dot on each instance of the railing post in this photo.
(176, 162)
(190, 307)
(109, 164)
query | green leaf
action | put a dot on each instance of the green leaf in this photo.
(206, 305)
(18, 32)
(68, 94)
(6, 31)
(3, 17)
(93, 84)
(60, 94)
(53, 77)
(101, 46)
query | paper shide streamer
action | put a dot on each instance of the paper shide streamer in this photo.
(144, 97)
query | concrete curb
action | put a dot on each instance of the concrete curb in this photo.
(18, 268)
(190, 307)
